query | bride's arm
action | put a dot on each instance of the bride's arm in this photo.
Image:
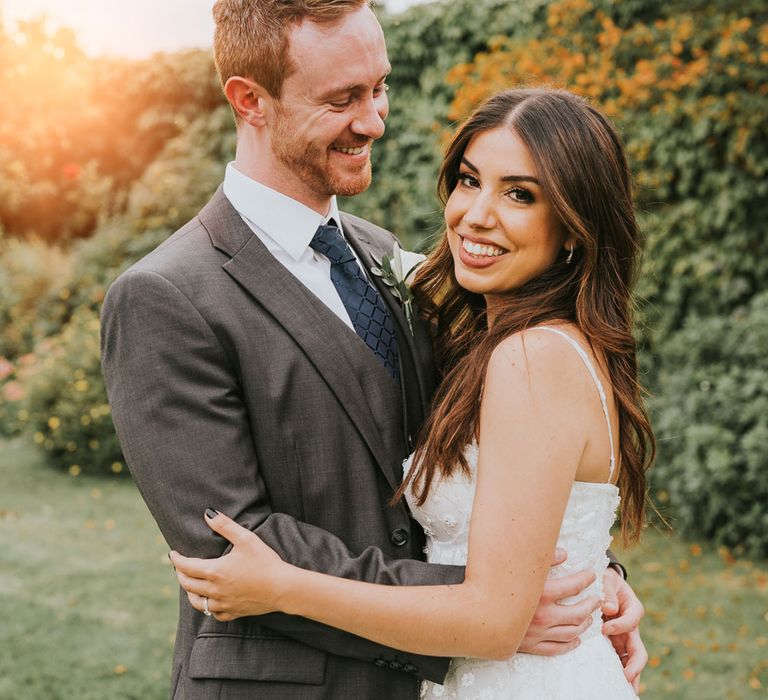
(532, 435)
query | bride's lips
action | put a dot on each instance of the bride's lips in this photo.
(475, 260)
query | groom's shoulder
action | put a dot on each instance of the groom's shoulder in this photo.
(175, 260)
(185, 254)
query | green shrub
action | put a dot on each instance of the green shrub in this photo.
(711, 417)
(32, 275)
(12, 393)
(64, 407)
(684, 80)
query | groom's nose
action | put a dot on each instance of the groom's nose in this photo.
(369, 120)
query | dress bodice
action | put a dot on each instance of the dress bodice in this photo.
(584, 533)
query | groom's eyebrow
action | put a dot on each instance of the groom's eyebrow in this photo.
(506, 178)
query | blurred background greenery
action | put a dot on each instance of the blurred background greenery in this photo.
(102, 159)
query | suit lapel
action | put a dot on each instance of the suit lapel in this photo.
(416, 374)
(314, 328)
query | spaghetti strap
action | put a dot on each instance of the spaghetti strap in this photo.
(588, 364)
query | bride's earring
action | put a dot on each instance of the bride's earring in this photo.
(569, 259)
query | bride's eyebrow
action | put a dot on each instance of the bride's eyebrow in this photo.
(506, 178)
(520, 178)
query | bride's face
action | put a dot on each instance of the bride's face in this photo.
(501, 228)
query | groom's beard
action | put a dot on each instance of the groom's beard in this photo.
(311, 162)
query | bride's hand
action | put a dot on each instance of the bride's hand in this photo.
(246, 581)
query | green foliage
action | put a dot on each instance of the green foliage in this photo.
(167, 195)
(711, 415)
(30, 273)
(64, 406)
(91, 590)
(684, 81)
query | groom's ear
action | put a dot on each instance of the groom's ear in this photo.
(249, 100)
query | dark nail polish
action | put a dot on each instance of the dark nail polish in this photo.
(211, 513)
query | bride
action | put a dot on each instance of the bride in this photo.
(536, 430)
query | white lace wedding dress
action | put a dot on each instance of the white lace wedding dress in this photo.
(590, 672)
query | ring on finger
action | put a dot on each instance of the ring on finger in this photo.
(206, 611)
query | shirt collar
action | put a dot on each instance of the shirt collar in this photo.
(290, 224)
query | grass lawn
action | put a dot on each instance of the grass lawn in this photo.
(88, 598)
(706, 624)
(87, 593)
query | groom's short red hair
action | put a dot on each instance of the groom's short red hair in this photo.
(251, 36)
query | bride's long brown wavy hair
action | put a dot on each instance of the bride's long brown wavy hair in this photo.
(584, 174)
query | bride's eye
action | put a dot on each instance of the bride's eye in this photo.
(468, 180)
(520, 194)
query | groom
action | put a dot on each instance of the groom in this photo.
(255, 367)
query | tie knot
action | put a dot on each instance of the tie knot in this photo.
(329, 242)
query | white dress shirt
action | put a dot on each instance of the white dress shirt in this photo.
(286, 228)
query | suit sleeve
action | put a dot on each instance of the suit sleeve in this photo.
(184, 430)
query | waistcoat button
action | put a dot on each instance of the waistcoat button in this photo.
(399, 537)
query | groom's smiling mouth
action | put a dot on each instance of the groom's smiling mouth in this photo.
(363, 150)
(352, 151)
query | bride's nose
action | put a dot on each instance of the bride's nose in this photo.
(480, 212)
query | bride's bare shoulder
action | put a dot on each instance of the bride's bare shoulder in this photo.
(537, 350)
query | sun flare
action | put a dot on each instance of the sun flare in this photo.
(114, 27)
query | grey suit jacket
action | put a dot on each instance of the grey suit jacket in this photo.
(233, 387)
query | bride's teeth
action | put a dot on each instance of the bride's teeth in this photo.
(481, 250)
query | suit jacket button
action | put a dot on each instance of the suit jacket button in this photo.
(381, 663)
(399, 537)
(396, 665)
(410, 668)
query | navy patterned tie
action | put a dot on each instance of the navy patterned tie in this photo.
(363, 303)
